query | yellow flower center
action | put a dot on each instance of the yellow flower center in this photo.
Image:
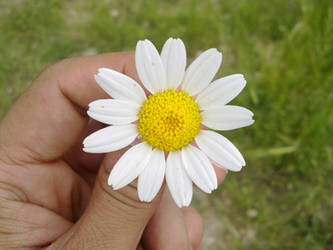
(169, 120)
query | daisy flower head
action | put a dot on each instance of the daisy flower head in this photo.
(175, 118)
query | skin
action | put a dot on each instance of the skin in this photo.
(54, 196)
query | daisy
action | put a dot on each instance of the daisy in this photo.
(171, 123)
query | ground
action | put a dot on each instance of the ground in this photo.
(282, 199)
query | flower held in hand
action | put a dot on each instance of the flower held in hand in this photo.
(172, 119)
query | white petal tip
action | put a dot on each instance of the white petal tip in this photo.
(93, 150)
(98, 79)
(237, 169)
(110, 181)
(147, 200)
(180, 205)
(216, 51)
(89, 112)
(103, 69)
(113, 184)
(233, 167)
(84, 142)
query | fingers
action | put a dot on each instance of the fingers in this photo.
(113, 219)
(175, 228)
(194, 225)
(49, 117)
(167, 228)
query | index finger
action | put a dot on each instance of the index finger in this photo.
(48, 118)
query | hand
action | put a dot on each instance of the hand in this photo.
(53, 195)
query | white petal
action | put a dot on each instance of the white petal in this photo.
(174, 60)
(130, 165)
(149, 67)
(151, 178)
(226, 117)
(179, 183)
(199, 168)
(221, 91)
(114, 111)
(120, 86)
(110, 139)
(220, 150)
(201, 72)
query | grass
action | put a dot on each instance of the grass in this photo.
(282, 199)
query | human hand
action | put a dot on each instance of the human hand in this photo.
(53, 195)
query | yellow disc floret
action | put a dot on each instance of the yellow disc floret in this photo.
(169, 120)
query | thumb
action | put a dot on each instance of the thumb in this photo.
(114, 219)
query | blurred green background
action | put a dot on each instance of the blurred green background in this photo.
(283, 198)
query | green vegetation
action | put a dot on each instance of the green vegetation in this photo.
(283, 198)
